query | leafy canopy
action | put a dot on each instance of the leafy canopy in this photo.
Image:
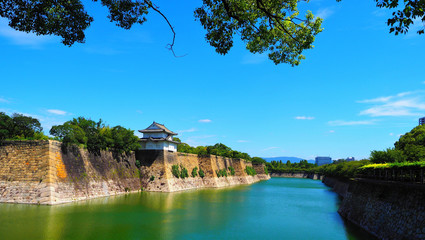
(19, 126)
(404, 15)
(96, 136)
(410, 147)
(271, 26)
(264, 25)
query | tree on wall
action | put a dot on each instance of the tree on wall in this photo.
(6, 126)
(25, 126)
(19, 126)
(96, 136)
(412, 144)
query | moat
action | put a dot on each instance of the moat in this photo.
(280, 208)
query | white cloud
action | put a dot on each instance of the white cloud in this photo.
(385, 99)
(331, 131)
(186, 130)
(402, 104)
(304, 118)
(21, 38)
(242, 141)
(391, 134)
(57, 112)
(2, 100)
(324, 13)
(205, 121)
(198, 140)
(350, 123)
(138, 111)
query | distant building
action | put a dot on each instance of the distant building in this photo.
(323, 160)
(422, 121)
(158, 137)
(350, 159)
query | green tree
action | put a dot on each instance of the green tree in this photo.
(258, 160)
(25, 126)
(6, 126)
(271, 26)
(412, 144)
(388, 156)
(405, 12)
(69, 133)
(123, 140)
(96, 136)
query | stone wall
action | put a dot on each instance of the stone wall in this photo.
(45, 172)
(41, 172)
(24, 169)
(78, 174)
(314, 176)
(157, 165)
(387, 210)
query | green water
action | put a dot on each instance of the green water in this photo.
(280, 208)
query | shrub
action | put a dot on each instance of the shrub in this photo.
(342, 169)
(232, 171)
(266, 171)
(183, 172)
(250, 171)
(387, 156)
(201, 173)
(137, 163)
(195, 172)
(218, 173)
(152, 178)
(175, 171)
(223, 173)
(127, 189)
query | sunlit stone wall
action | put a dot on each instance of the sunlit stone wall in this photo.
(157, 174)
(41, 172)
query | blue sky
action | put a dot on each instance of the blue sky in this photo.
(356, 91)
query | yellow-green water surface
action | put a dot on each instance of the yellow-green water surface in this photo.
(281, 208)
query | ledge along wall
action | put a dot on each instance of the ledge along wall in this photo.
(41, 172)
(314, 176)
(157, 165)
(387, 210)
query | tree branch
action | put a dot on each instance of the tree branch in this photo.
(277, 18)
(170, 45)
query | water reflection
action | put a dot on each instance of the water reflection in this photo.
(267, 210)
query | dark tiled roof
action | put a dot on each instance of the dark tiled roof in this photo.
(157, 140)
(161, 127)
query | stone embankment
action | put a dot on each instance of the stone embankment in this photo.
(314, 176)
(45, 172)
(158, 165)
(388, 210)
(42, 172)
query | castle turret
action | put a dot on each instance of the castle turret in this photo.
(158, 137)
